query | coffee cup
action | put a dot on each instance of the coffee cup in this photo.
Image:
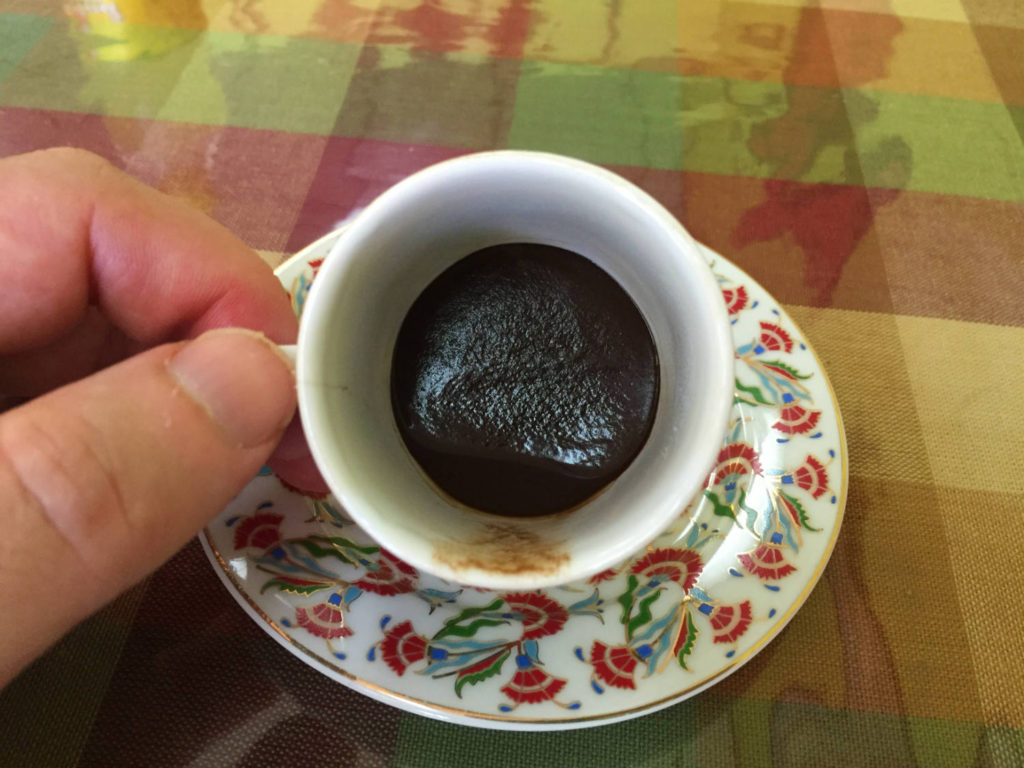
(397, 246)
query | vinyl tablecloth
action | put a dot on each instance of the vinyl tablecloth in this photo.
(862, 159)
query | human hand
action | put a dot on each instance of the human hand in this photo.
(127, 439)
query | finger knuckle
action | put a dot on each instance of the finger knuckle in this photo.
(64, 479)
(74, 158)
(72, 166)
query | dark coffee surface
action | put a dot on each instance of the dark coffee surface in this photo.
(524, 380)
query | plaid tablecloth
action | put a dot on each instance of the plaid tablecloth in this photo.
(863, 159)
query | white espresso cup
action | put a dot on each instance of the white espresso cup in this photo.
(394, 249)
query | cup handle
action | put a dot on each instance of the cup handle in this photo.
(288, 350)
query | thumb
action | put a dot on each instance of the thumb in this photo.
(103, 480)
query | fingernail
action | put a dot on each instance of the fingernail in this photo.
(241, 380)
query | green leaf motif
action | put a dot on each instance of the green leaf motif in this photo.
(785, 368)
(453, 625)
(473, 674)
(687, 641)
(626, 599)
(313, 545)
(719, 508)
(801, 513)
(325, 512)
(343, 543)
(751, 512)
(468, 630)
(754, 392)
(354, 553)
(294, 586)
(643, 615)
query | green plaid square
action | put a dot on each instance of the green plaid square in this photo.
(73, 71)
(612, 116)
(713, 125)
(213, 78)
(263, 81)
(18, 35)
(932, 144)
(419, 97)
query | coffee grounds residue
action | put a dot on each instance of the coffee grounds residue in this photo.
(524, 380)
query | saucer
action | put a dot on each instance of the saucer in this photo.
(688, 610)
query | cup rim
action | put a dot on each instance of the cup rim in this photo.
(720, 347)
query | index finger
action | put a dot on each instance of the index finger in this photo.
(75, 231)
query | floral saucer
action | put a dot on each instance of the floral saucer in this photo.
(679, 616)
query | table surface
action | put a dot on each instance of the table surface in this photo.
(862, 159)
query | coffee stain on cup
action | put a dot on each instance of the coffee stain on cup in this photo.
(503, 548)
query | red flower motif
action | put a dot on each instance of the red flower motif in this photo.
(302, 491)
(811, 476)
(315, 264)
(787, 506)
(773, 337)
(682, 566)
(605, 575)
(729, 622)
(796, 420)
(766, 562)
(392, 577)
(260, 531)
(325, 619)
(614, 665)
(539, 614)
(400, 564)
(735, 299)
(736, 459)
(402, 647)
(780, 370)
(530, 684)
